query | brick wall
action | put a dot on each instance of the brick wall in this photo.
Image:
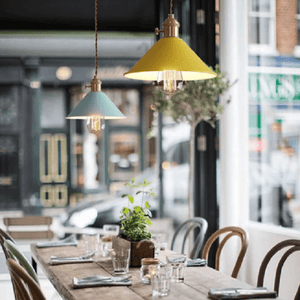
(286, 26)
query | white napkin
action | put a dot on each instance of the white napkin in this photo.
(95, 281)
(239, 293)
(69, 260)
(198, 262)
(69, 241)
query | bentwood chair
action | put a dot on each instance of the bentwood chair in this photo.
(6, 236)
(293, 246)
(26, 287)
(185, 228)
(230, 232)
(16, 254)
(5, 251)
(37, 233)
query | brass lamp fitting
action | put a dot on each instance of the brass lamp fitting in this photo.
(95, 85)
(170, 27)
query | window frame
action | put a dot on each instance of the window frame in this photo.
(263, 49)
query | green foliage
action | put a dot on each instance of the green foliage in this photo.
(194, 103)
(135, 221)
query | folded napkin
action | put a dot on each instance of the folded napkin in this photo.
(69, 241)
(198, 262)
(238, 293)
(94, 281)
(70, 260)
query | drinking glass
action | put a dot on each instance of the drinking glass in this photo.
(161, 285)
(120, 260)
(176, 265)
(91, 243)
(156, 239)
(111, 230)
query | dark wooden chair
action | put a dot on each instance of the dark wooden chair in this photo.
(230, 232)
(26, 287)
(187, 227)
(293, 246)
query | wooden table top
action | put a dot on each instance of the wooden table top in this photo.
(197, 281)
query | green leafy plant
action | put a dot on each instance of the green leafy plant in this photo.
(196, 102)
(135, 219)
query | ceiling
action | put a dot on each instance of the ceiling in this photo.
(113, 15)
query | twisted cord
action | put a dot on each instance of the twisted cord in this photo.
(171, 7)
(96, 40)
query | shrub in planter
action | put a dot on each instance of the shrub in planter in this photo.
(135, 222)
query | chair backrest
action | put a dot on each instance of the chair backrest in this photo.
(5, 251)
(187, 227)
(6, 236)
(293, 246)
(27, 288)
(15, 253)
(230, 232)
(29, 221)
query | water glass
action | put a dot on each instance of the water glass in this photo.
(106, 245)
(161, 285)
(91, 243)
(111, 230)
(120, 260)
(156, 239)
(176, 265)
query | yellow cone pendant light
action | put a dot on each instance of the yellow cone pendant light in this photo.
(95, 106)
(170, 61)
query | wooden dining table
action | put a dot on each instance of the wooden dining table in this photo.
(197, 280)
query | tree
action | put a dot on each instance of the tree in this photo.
(195, 103)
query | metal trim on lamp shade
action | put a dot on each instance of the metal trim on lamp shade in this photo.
(170, 53)
(94, 104)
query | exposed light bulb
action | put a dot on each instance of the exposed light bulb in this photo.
(171, 80)
(95, 124)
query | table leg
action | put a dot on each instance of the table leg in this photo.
(34, 265)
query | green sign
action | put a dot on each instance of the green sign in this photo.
(274, 88)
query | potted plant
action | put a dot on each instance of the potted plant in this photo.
(135, 222)
(195, 103)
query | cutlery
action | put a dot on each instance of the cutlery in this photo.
(53, 257)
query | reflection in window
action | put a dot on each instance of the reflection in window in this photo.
(128, 103)
(124, 158)
(274, 149)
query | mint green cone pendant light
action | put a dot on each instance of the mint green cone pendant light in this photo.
(170, 61)
(95, 107)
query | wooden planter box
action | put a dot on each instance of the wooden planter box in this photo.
(139, 250)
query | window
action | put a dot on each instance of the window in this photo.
(262, 27)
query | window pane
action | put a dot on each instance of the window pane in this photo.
(261, 5)
(259, 30)
(274, 148)
(53, 109)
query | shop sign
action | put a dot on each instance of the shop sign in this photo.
(274, 88)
